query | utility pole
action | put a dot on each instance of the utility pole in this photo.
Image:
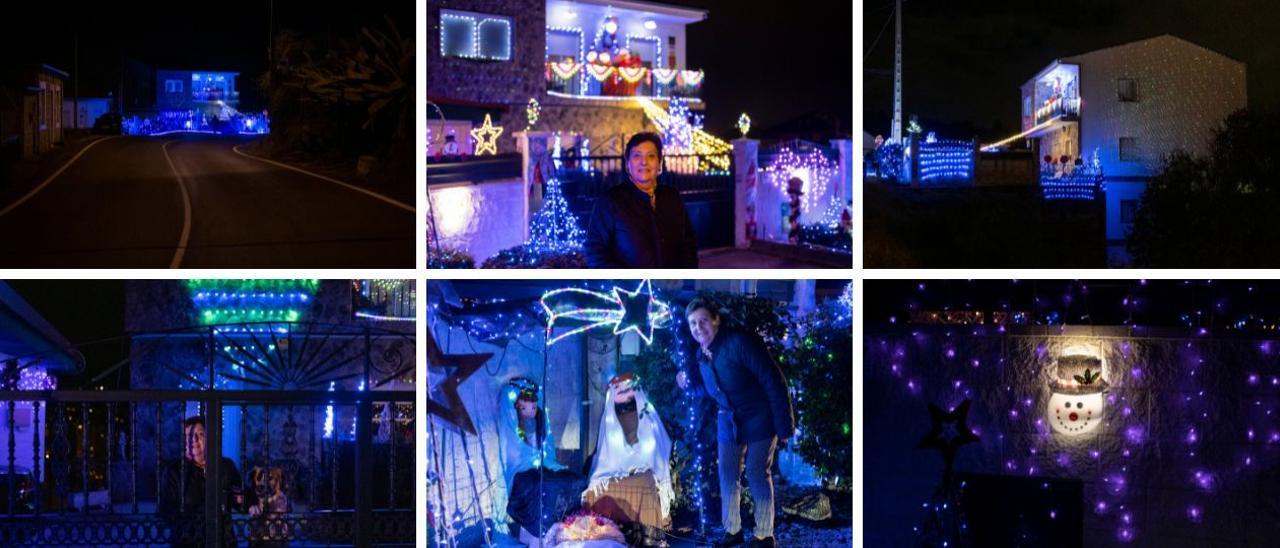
(271, 31)
(75, 76)
(896, 129)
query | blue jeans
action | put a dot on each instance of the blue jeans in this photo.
(759, 465)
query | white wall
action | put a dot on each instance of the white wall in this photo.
(1184, 92)
(480, 218)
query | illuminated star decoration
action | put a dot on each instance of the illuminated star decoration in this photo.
(950, 430)
(623, 310)
(452, 408)
(486, 137)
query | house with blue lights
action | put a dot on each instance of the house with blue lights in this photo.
(213, 93)
(592, 65)
(1131, 104)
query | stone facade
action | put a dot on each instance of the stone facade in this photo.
(496, 82)
(511, 84)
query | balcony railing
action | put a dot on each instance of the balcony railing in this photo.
(1066, 107)
(604, 81)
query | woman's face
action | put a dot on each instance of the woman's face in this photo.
(703, 326)
(643, 163)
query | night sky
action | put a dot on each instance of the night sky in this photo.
(774, 63)
(229, 35)
(964, 60)
(83, 311)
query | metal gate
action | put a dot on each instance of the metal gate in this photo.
(337, 464)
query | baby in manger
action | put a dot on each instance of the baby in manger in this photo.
(631, 475)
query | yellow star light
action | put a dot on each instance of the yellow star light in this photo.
(486, 137)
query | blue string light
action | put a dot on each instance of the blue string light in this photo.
(946, 160)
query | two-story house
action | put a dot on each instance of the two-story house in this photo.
(1133, 104)
(592, 65)
(211, 93)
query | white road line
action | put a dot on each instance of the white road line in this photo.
(186, 209)
(55, 175)
(398, 204)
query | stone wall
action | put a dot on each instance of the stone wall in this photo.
(481, 81)
(608, 126)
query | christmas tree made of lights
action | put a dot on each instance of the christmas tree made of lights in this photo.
(554, 229)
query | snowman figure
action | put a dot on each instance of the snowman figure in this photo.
(1077, 405)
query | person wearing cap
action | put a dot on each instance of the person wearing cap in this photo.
(755, 412)
(641, 223)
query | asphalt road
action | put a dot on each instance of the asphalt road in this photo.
(194, 201)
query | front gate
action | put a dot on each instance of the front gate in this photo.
(322, 445)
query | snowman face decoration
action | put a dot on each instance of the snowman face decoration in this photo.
(1075, 414)
(1076, 404)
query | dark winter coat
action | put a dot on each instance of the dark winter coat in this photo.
(753, 394)
(625, 232)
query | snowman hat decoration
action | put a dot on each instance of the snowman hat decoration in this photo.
(1079, 374)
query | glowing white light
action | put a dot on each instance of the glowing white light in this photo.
(650, 25)
(453, 210)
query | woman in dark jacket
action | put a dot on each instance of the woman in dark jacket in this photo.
(641, 224)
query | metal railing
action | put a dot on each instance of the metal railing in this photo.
(315, 466)
(646, 83)
(129, 486)
(708, 195)
(1067, 108)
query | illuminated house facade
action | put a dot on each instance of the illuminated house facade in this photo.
(1133, 104)
(213, 93)
(591, 64)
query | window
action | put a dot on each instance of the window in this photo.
(1129, 150)
(1128, 211)
(564, 43)
(384, 300)
(173, 86)
(475, 36)
(1128, 90)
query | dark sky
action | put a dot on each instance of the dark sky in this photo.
(964, 60)
(226, 35)
(83, 311)
(772, 62)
